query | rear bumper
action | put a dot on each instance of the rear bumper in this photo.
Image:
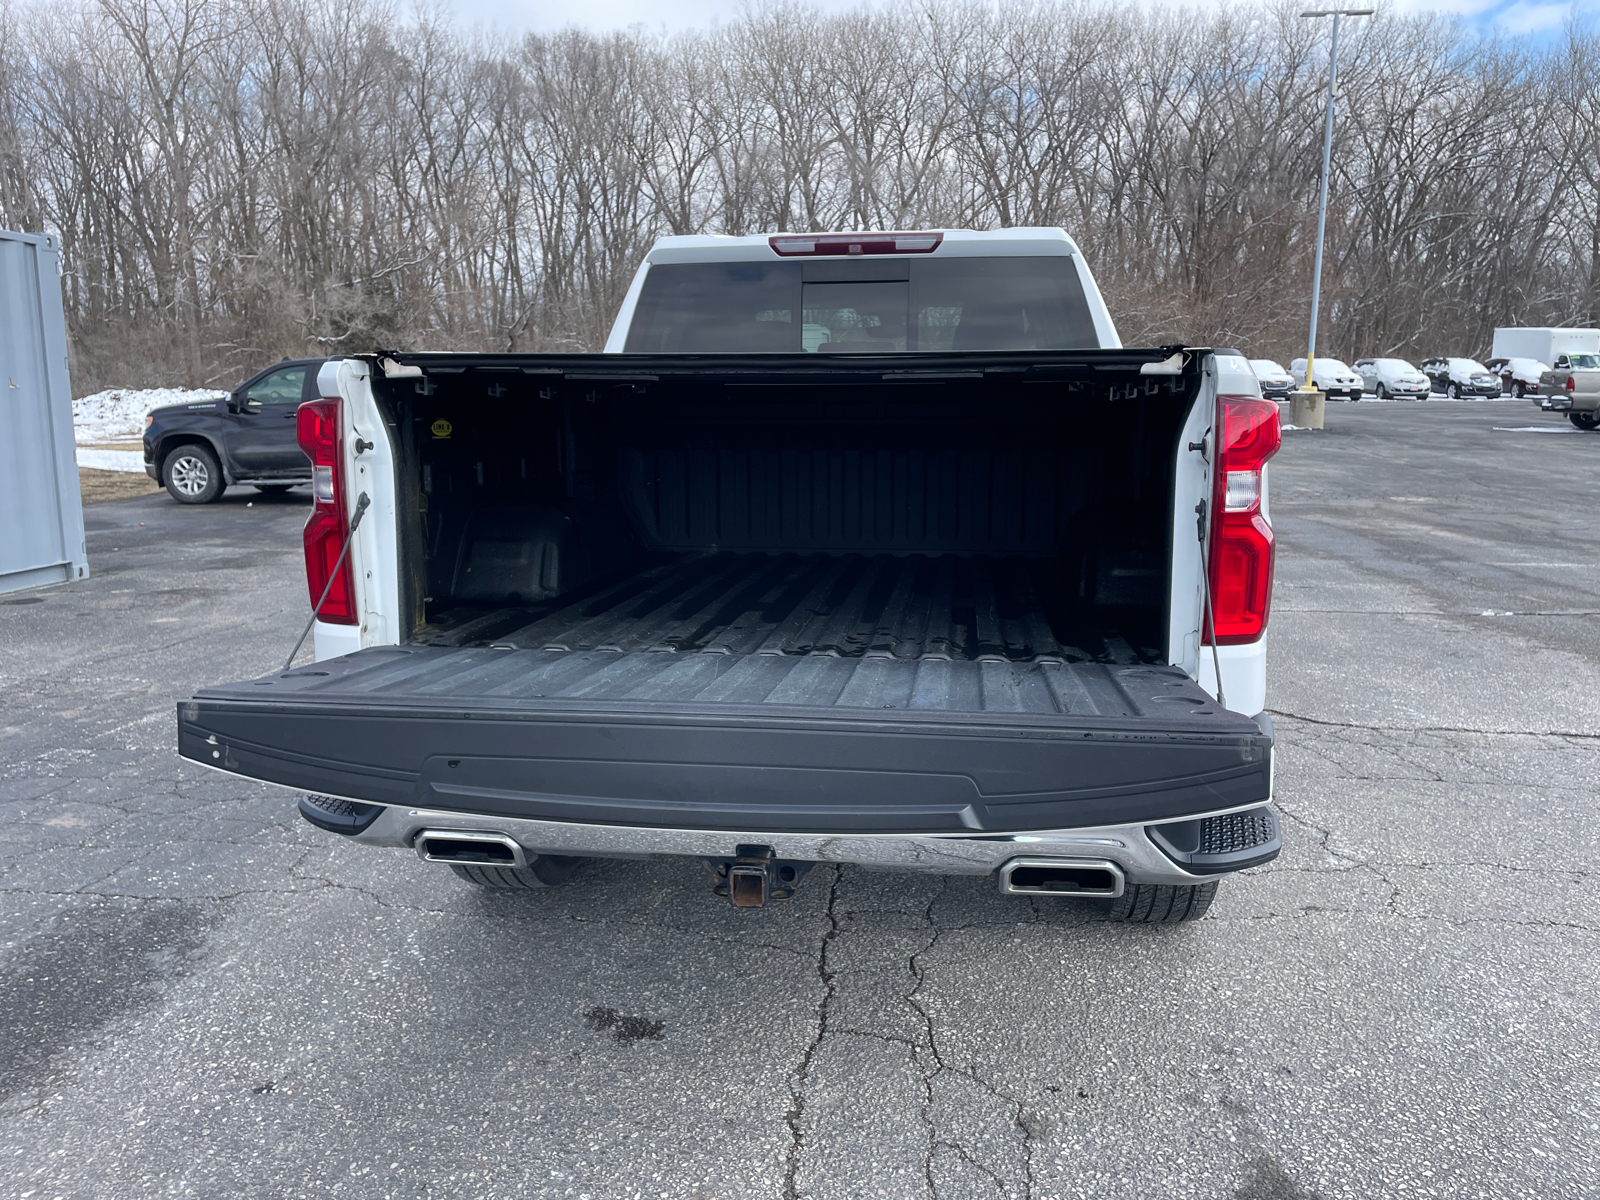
(1130, 846)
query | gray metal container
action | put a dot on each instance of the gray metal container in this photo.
(41, 510)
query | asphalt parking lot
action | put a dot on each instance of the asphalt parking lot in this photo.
(201, 995)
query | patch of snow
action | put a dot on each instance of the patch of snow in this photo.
(1536, 429)
(118, 415)
(131, 461)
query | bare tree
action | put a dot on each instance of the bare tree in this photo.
(236, 180)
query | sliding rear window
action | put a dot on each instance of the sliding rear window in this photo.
(865, 306)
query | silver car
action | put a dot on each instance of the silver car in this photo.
(1392, 379)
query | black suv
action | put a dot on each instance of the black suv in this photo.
(196, 450)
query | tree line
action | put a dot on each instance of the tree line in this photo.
(236, 181)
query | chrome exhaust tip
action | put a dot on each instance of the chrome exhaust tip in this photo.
(1091, 877)
(470, 848)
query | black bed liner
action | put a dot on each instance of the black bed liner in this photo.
(849, 605)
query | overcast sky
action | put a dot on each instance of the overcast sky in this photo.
(1513, 16)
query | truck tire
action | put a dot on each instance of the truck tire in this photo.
(192, 474)
(1585, 420)
(544, 870)
(1160, 903)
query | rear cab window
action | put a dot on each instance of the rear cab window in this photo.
(863, 306)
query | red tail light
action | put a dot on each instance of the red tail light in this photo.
(317, 425)
(1572, 384)
(1241, 539)
(790, 244)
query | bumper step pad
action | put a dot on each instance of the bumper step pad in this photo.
(338, 816)
(1230, 842)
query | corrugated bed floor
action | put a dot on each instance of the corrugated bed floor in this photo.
(842, 606)
(957, 635)
(695, 682)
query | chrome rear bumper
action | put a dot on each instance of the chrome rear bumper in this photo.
(1129, 847)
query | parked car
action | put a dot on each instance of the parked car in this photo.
(1518, 377)
(1329, 376)
(793, 605)
(1276, 383)
(1392, 379)
(197, 451)
(1458, 377)
(1572, 386)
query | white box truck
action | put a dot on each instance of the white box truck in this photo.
(1546, 345)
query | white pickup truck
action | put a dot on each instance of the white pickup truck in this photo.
(867, 548)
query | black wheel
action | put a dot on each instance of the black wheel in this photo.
(544, 870)
(1453, 391)
(192, 474)
(1381, 392)
(1585, 420)
(1161, 904)
(1517, 390)
(273, 489)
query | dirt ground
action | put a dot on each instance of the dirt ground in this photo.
(98, 487)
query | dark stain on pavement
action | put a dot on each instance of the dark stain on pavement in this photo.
(92, 966)
(1265, 1179)
(625, 1029)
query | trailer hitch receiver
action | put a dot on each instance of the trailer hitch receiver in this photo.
(753, 876)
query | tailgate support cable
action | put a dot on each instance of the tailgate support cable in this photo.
(355, 522)
(1203, 527)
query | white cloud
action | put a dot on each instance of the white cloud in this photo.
(519, 15)
(1523, 17)
(1450, 8)
(1514, 16)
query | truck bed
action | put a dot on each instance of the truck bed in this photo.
(770, 593)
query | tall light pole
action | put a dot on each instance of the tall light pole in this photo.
(1327, 161)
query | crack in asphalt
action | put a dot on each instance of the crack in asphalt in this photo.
(1392, 903)
(1430, 612)
(925, 1053)
(1019, 1112)
(802, 1071)
(1532, 733)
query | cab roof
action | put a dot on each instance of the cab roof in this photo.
(1020, 242)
